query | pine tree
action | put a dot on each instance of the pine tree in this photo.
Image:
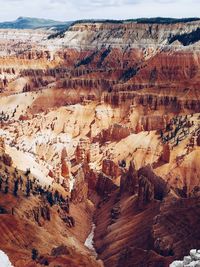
(50, 198)
(6, 189)
(28, 188)
(16, 187)
(34, 254)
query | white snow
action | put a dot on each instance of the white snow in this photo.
(4, 260)
(89, 242)
(71, 183)
(193, 260)
(24, 161)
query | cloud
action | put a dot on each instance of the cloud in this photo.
(85, 9)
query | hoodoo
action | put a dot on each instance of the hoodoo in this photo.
(100, 143)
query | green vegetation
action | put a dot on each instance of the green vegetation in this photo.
(87, 60)
(35, 254)
(157, 20)
(31, 23)
(63, 28)
(186, 38)
(128, 74)
(103, 56)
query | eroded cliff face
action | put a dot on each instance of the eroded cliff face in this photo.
(100, 124)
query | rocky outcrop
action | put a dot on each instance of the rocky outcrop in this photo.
(92, 177)
(173, 230)
(82, 150)
(115, 133)
(132, 244)
(41, 214)
(145, 192)
(2, 145)
(105, 185)
(133, 257)
(128, 94)
(161, 189)
(110, 168)
(61, 250)
(7, 160)
(134, 33)
(151, 123)
(129, 180)
(198, 140)
(80, 189)
(65, 164)
(165, 157)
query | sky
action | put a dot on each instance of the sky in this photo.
(67, 10)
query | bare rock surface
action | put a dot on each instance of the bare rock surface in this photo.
(99, 126)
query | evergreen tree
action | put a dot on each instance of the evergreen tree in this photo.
(28, 188)
(1, 181)
(16, 187)
(50, 198)
(34, 254)
(6, 189)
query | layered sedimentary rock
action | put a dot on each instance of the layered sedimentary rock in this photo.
(110, 168)
(105, 185)
(100, 125)
(198, 140)
(161, 188)
(184, 212)
(145, 192)
(166, 153)
(115, 133)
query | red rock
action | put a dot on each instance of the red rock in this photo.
(7, 160)
(198, 140)
(82, 150)
(165, 157)
(80, 190)
(145, 192)
(105, 185)
(161, 188)
(114, 133)
(129, 180)
(65, 168)
(110, 168)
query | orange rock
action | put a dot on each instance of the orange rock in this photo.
(165, 157)
(110, 168)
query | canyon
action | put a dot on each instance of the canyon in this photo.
(100, 144)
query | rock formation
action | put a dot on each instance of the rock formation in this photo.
(198, 140)
(166, 153)
(178, 211)
(100, 126)
(161, 188)
(145, 191)
(110, 168)
(105, 185)
(129, 180)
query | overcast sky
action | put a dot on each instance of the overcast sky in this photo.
(111, 9)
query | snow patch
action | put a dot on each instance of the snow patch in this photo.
(71, 183)
(89, 242)
(4, 260)
(193, 260)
